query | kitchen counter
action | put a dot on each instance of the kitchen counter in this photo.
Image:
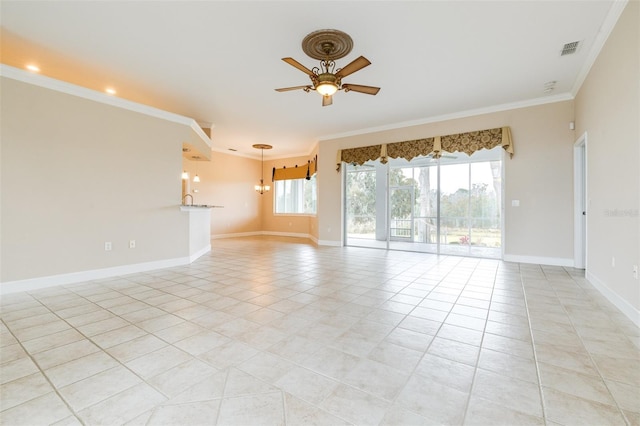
(188, 207)
(199, 216)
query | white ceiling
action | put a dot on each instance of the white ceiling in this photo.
(219, 62)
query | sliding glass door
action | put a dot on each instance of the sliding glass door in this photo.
(450, 205)
(413, 205)
(365, 205)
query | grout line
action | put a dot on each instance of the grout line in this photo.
(224, 388)
(533, 348)
(284, 406)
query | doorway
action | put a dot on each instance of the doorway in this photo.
(580, 202)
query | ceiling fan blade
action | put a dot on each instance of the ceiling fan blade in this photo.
(286, 89)
(353, 66)
(298, 65)
(327, 100)
(369, 90)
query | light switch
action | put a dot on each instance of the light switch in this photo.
(515, 203)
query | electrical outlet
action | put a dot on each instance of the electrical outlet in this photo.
(132, 244)
(107, 246)
(613, 262)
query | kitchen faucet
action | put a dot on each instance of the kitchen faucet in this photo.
(185, 197)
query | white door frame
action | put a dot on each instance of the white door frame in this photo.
(580, 202)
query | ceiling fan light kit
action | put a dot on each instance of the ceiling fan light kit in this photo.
(327, 46)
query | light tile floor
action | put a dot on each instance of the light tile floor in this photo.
(276, 331)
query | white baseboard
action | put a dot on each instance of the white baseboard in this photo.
(625, 307)
(235, 235)
(199, 253)
(330, 243)
(9, 287)
(272, 233)
(539, 260)
(286, 234)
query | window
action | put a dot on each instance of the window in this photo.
(296, 196)
(451, 205)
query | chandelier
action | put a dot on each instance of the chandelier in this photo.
(262, 188)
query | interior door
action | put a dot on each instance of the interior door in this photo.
(580, 202)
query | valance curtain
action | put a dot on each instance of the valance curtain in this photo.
(297, 172)
(410, 149)
(471, 142)
(468, 143)
(361, 155)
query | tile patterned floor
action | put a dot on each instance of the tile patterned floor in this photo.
(274, 331)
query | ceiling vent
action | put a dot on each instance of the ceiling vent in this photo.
(570, 48)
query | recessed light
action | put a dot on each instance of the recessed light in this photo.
(110, 91)
(33, 68)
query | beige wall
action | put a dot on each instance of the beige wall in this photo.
(608, 109)
(539, 175)
(76, 173)
(228, 180)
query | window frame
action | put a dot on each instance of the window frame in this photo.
(302, 191)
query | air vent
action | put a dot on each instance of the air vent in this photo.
(570, 48)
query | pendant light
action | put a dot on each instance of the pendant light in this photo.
(262, 188)
(196, 178)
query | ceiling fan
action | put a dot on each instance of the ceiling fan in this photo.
(327, 46)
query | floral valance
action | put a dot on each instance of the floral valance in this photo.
(410, 149)
(468, 143)
(297, 172)
(360, 155)
(471, 142)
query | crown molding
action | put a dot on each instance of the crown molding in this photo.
(103, 98)
(561, 97)
(266, 157)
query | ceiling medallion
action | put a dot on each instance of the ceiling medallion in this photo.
(262, 146)
(327, 44)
